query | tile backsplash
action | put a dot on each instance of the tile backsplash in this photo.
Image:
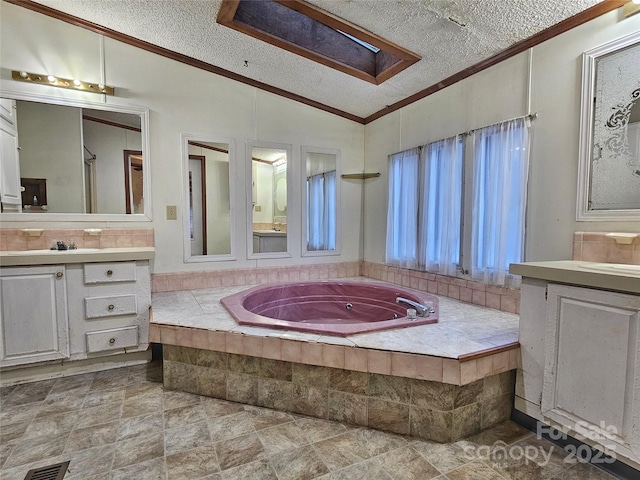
(597, 247)
(19, 239)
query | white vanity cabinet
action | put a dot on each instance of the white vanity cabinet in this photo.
(33, 315)
(79, 310)
(592, 363)
(268, 242)
(581, 356)
(110, 306)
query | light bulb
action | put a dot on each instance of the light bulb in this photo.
(77, 83)
(51, 78)
(637, 2)
(24, 74)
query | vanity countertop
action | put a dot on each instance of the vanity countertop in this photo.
(608, 276)
(269, 233)
(82, 255)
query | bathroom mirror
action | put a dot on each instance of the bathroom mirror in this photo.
(208, 198)
(609, 168)
(267, 203)
(91, 159)
(321, 197)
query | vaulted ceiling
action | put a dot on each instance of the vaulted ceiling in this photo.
(450, 36)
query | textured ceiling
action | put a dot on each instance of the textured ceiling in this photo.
(189, 27)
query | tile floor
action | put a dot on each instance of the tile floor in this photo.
(122, 424)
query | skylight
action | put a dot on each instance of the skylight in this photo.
(361, 42)
(304, 29)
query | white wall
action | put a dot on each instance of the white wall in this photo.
(183, 99)
(50, 139)
(108, 144)
(500, 93)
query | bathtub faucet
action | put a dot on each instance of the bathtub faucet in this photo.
(421, 310)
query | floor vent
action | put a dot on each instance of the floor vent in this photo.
(50, 472)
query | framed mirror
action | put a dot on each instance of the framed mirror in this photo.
(320, 216)
(208, 196)
(609, 163)
(267, 199)
(88, 161)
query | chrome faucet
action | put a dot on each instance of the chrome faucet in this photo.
(421, 310)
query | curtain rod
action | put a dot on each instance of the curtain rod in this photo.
(531, 116)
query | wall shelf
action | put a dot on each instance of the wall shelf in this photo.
(360, 176)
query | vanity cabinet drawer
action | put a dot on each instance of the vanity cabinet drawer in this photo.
(115, 339)
(113, 305)
(109, 272)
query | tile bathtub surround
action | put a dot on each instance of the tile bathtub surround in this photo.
(498, 298)
(177, 281)
(122, 424)
(430, 410)
(597, 247)
(16, 239)
(452, 371)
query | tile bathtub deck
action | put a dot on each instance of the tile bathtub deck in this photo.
(462, 328)
(122, 424)
(468, 343)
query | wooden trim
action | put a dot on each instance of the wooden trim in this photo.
(110, 123)
(127, 197)
(209, 147)
(583, 17)
(203, 187)
(488, 351)
(178, 57)
(267, 162)
(338, 23)
(331, 53)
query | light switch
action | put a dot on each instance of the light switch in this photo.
(172, 212)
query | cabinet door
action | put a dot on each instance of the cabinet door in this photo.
(33, 315)
(592, 364)
(8, 110)
(9, 166)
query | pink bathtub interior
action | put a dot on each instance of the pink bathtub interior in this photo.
(330, 308)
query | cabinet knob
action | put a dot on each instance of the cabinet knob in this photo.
(59, 274)
(109, 272)
(111, 307)
(112, 341)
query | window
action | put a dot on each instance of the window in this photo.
(431, 227)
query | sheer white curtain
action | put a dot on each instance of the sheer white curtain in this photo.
(402, 212)
(321, 211)
(441, 206)
(501, 166)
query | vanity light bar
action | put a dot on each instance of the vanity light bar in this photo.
(53, 81)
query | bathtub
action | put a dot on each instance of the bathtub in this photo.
(328, 307)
